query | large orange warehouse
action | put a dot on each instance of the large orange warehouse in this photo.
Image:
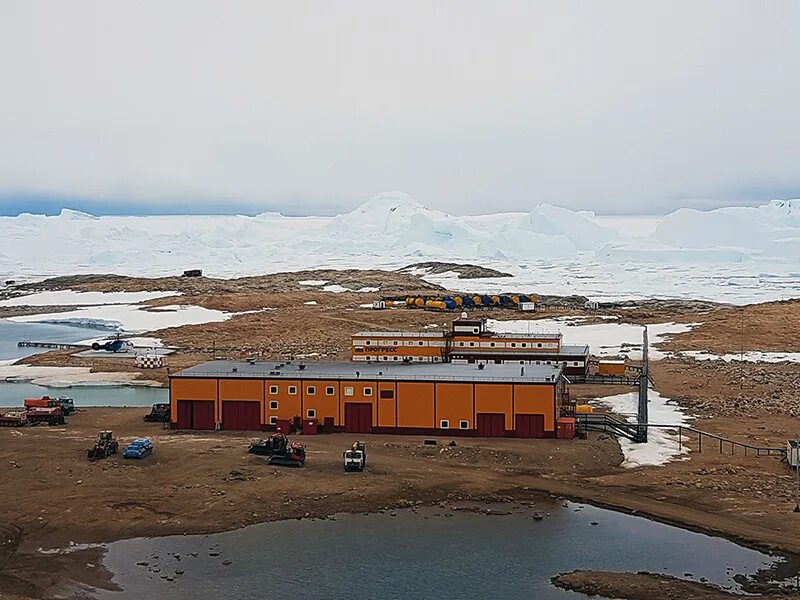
(453, 399)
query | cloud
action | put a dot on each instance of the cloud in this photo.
(620, 106)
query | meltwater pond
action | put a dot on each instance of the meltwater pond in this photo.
(428, 554)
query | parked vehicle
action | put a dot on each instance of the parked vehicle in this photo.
(43, 402)
(138, 448)
(159, 413)
(280, 450)
(52, 415)
(104, 447)
(14, 418)
(355, 458)
(67, 405)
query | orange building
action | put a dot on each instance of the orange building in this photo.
(423, 398)
(470, 341)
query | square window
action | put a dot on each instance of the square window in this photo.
(273, 420)
(293, 390)
(513, 344)
(539, 344)
(311, 390)
(444, 424)
(389, 394)
(492, 344)
(421, 343)
(472, 343)
(394, 343)
(463, 424)
(273, 389)
(367, 342)
(273, 405)
(348, 390)
(311, 413)
(523, 344)
(368, 391)
(460, 343)
(330, 391)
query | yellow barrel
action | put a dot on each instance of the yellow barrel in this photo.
(476, 300)
(533, 297)
(458, 300)
(584, 409)
(495, 299)
(419, 302)
(388, 303)
(515, 299)
(410, 301)
(437, 304)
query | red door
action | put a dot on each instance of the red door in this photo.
(241, 416)
(529, 426)
(357, 417)
(203, 415)
(184, 414)
(491, 424)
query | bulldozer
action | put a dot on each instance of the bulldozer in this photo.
(159, 413)
(280, 451)
(104, 447)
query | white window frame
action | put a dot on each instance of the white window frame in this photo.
(311, 390)
(463, 424)
(367, 391)
(273, 405)
(293, 393)
(444, 424)
(273, 420)
(348, 390)
(311, 413)
(330, 391)
(273, 390)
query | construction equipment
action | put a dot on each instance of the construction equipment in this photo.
(16, 418)
(67, 405)
(43, 402)
(138, 448)
(104, 447)
(355, 458)
(280, 450)
(159, 413)
(52, 415)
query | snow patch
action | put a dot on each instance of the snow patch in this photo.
(73, 298)
(662, 444)
(752, 356)
(66, 376)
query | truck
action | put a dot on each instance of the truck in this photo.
(355, 457)
(52, 415)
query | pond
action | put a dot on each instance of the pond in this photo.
(419, 555)
(12, 394)
(12, 332)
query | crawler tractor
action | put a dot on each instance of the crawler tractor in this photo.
(280, 451)
(104, 447)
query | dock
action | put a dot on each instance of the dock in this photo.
(50, 345)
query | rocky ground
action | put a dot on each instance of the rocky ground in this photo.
(746, 498)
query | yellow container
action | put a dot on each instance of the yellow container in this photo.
(410, 301)
(495, 299)
(437, 304)
(458, 300)
(476, 300)
(515, 299)
(419, 302)
(584, 409)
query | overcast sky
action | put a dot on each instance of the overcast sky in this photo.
(470, 107)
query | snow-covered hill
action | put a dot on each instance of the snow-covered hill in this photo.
(392, 229)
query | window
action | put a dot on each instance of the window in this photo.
(463, 424)
(311, 390)
(367, 342)
(523, 344)
(368, 391)
(292, 390)
(460, 343)
(539, 344)
(348, 390)
(311, 413)
(421, 343)
(444, 424)
(394, 343)
(389, 394)
(513, 344)
(492, 344)
(273, 420)
(472, 343)
(273, 405)
(330, 390)
(273, 389)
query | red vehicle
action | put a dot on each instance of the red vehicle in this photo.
(52, 415)
(14, 419)
(43, 402)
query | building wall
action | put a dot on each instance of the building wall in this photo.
(418, 406)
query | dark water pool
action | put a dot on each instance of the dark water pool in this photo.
(419, 556)
(12, 332)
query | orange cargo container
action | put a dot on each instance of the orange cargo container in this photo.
(43, 402)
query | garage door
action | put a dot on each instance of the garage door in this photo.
(196, 414)
(241, 415)
(357, 417)
(529, 426)
(491, 424)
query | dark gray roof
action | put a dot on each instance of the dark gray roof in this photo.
(375, 371)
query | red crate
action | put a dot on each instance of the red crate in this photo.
(565, 428)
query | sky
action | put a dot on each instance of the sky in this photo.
(622, 107)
